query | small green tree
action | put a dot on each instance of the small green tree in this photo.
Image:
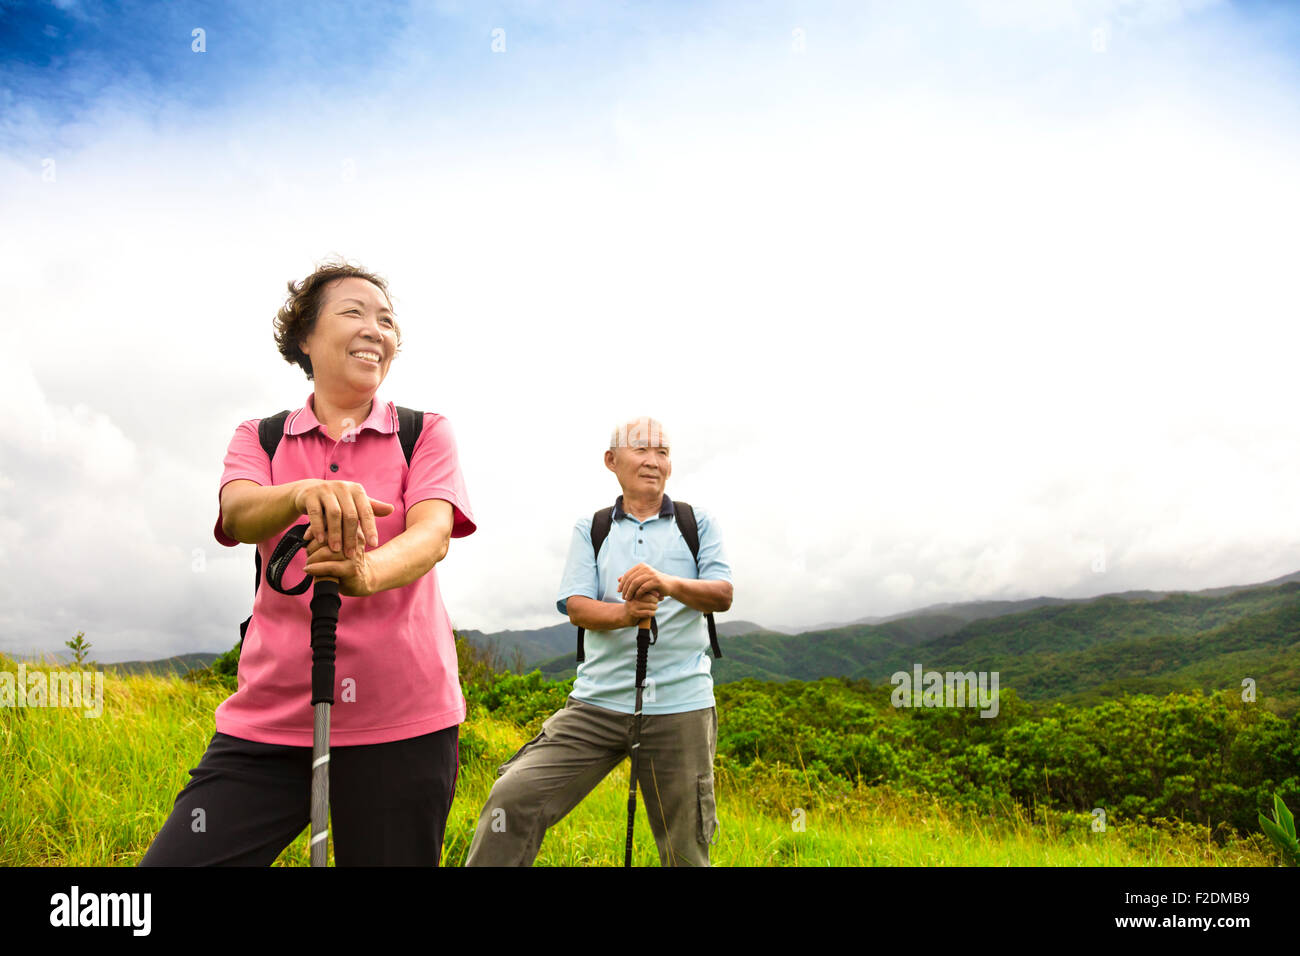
(80, 648)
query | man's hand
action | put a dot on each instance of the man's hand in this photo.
(641, 608)
(638, 580)
(354, 574)
(338, 510)
(705, 596)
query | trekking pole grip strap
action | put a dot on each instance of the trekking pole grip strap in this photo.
(283, 553)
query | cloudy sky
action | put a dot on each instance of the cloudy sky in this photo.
(940, 301)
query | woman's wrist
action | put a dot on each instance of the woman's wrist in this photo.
(258, 512)
(296, 488)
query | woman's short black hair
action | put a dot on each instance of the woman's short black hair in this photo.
(296, 319)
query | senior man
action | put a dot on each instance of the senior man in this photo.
(644, 569)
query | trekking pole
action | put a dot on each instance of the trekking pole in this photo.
(325, 603)
(643, 642)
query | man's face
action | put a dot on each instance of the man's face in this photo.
(355, 337)
(643, 465)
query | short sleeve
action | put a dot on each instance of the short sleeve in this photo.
(435, 473)
(713, 562)
(245, 458)
(580, 575)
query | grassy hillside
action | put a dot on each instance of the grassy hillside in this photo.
(521, 651)
(525, 649)
(180, 664)
(1085, 652)
(95, 791)
(1109, 620)
(1076, 652)
(840, 652)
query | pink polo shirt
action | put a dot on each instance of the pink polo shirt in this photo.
(395, 672)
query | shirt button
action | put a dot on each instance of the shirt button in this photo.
(334, 466)
(638, 541)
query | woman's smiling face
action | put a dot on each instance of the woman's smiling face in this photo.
(355, 337)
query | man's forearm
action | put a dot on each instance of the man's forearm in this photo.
(703, 596)
(593, 615)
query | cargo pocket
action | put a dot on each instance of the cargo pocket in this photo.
(519, 753)
(708, 832)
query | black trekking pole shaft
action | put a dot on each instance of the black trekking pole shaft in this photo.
(325, 604)
(642, 656)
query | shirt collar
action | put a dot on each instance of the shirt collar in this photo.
(382, 418)
(665, 508)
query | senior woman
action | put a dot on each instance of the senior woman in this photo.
(378, 526)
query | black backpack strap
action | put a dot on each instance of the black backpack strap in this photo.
(600, 524)
(713, 636)
(269, 432)
(685, 516)
(409, 425)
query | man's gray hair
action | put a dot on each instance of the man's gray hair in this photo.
(637, 433)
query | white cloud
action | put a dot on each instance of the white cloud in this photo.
(915, 342)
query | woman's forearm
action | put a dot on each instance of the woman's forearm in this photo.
(409, 556)
(251, 512)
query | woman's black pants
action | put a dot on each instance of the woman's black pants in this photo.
(247, 801)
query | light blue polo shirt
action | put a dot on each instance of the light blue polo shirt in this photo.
(678, 678)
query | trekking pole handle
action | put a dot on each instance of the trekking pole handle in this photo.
(325, 603)
(651, 625)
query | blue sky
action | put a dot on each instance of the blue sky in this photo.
(61, 58)
(1007, 287)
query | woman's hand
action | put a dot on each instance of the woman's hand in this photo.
(354, 573)
(341, 513)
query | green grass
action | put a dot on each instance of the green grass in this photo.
(78, 791)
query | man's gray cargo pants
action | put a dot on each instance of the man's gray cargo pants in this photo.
(578, 746)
